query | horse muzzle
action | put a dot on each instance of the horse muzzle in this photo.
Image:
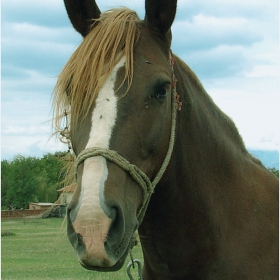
(101, 243)
(100, 219)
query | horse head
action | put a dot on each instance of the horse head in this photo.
(119, 88)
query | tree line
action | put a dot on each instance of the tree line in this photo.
(31, 179)
(274, 171)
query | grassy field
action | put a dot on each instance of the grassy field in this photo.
(39, 249)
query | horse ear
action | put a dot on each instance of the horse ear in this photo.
(82, 14)
(160, 14)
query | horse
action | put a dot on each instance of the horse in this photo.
(155, 154)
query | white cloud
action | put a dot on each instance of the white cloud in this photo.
(231, 8)
(35, 33)
(204, 32)
(29, 146)
(36, 48)
(253, 104)
(29, 130)
(219, 62)
(231, 45)
(264, 71)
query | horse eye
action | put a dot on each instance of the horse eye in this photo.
(162, 92)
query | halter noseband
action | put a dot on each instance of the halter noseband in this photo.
(136, 173)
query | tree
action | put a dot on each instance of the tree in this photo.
(4, 180)
(30, 179)
(21, 183)
(51, 176)
(274, 171)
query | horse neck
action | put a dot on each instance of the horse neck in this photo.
(207, 157)
(208, 149)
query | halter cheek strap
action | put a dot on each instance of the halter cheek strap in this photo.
(136, 173)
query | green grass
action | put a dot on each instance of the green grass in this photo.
(39, 249)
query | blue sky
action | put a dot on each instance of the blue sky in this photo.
(233, 46)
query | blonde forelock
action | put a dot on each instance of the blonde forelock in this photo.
(112, 36)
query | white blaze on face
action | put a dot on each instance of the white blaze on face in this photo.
(91, 221)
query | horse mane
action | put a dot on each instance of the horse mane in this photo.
(112, 35)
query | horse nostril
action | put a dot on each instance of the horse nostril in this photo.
(80, 240)
(111, 212)
(115, 217)
(68, 213)
(117, 227)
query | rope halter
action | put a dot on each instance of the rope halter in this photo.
(138, 175)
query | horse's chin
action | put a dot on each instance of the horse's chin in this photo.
(118, 265)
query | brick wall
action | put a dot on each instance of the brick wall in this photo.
(17, 214)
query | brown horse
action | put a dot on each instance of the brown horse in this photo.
(154, 153)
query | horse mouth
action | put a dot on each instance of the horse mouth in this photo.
(105, 268)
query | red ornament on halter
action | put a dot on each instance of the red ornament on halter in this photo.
(180, 104)
(175, 80)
